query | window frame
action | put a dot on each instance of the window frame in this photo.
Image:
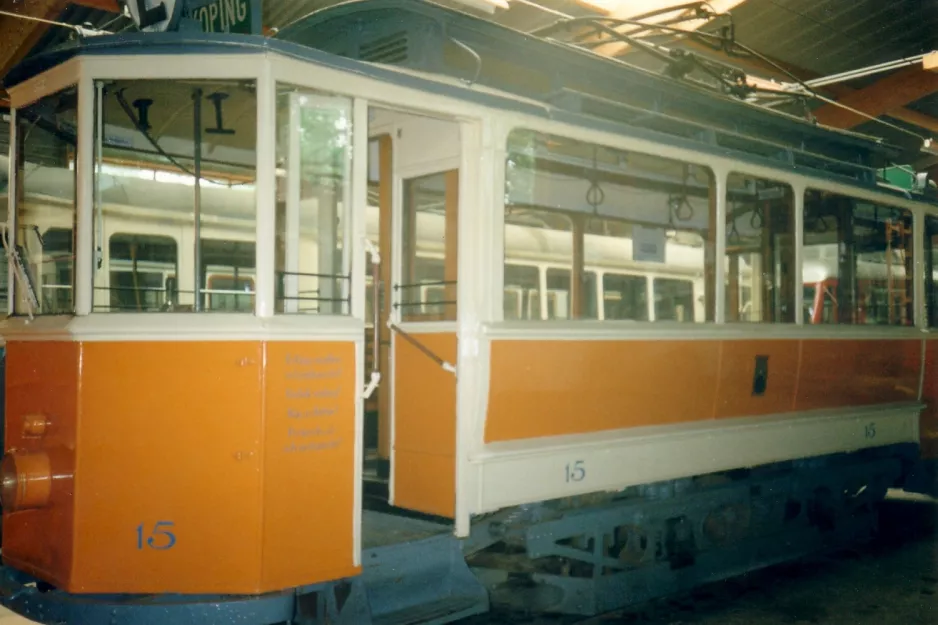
(59, 82)
(916, 280)
(721, 167)
(794, 276)
(83, 71)
(717, 187)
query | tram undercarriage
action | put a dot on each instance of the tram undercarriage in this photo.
(649, 541)
(579, 556)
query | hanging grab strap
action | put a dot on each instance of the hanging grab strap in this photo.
(423, 348)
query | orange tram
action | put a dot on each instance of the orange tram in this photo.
(401, 316)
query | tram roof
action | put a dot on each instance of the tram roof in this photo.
(440, 40)
(413, 43)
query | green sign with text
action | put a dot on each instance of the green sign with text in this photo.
(229, 16)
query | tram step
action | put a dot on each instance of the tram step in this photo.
(421, 581)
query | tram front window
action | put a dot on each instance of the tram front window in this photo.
(313, 238)
(175, 172)
(44, 268)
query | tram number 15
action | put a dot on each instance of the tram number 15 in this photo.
(576, 471)
(159, 536)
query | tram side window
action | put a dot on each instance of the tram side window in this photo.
(56, 271)
(931, 270)
(531, 236)
(429, 255)
(589, 302)
(560, 298)
(858, 262)
(522, 289)
(429, 291)
(313, 237)
(4, 284)
(625, 297)
(228, 275)
(760, 250)
(373, 211)
(584, 210)
(674, 300)
(177, 163)
(558, 293)
(141, 267)
(45, 205)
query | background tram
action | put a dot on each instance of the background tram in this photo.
(145, 251)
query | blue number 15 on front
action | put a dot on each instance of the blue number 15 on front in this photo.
(160, 537)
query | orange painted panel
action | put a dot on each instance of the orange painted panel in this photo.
(551, 388)
(425, 426)
(195, 469)
(842, 372)
(737, 370)
(928, 424)
(309, 463)
(425, 482)
(169, 444)
(42, 381)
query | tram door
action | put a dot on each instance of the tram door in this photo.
(415, 184)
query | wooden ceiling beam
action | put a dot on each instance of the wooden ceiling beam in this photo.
(18, 36)
(885, 95)
(110, 6)
(915, 118)
(834, 90)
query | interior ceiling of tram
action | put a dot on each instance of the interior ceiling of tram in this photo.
(165, 109)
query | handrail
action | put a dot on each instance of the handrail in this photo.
(375, 377)
(447, 366)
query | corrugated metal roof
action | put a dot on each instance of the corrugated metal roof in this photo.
(279, 13)
(832, 36)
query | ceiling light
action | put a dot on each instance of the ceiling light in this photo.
(626, 8)
(607, 6)
(488, 6)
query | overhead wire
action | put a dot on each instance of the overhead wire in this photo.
(724, 44)
(535, 5)
(808, 90)
(83, 31)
